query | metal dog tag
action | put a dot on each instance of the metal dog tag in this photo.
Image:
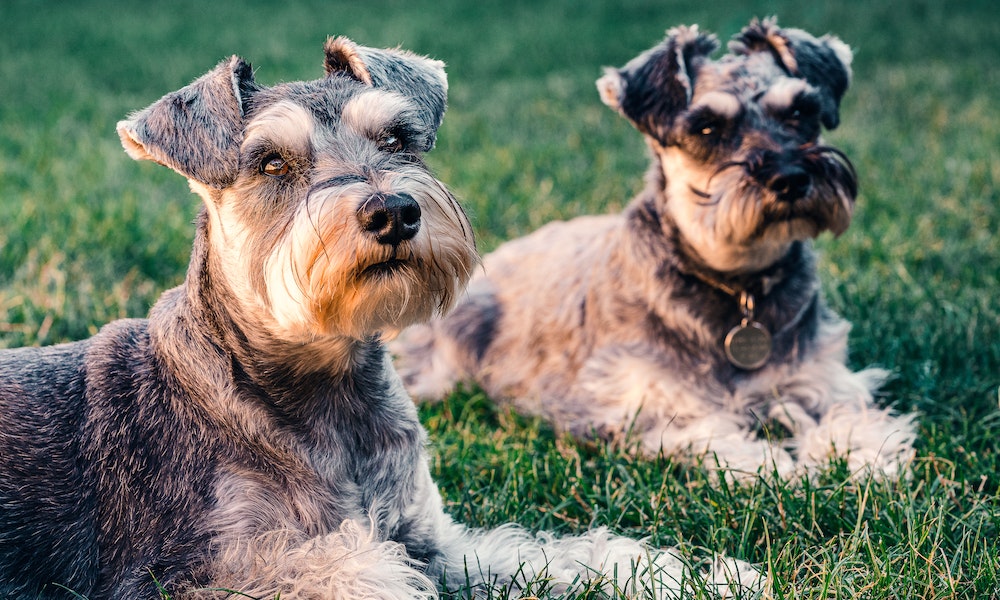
(748, 345)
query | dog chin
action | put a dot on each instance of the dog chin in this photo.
(791, 230)
(804, 225)
(384, 299)
(387, 269)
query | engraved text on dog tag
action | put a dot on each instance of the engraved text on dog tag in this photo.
(748, 345)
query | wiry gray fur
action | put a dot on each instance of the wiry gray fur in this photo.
(251, 434)
(383, 69)
(618, 322)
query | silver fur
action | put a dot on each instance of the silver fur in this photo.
(605, 323)
(252, 434)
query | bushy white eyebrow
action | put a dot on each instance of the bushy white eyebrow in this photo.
(285, 123)
(373, 111)
(783, 93)
(720, 103)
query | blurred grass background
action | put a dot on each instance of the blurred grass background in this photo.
(87, 235)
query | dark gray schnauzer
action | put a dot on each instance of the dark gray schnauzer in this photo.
(252, 434)
(696, 315)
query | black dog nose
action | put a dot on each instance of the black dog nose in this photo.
(790, 184)
(391, 219)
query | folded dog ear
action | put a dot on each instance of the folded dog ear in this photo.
(418, 78)
(658, 84)
(824, 62)
(196, 130)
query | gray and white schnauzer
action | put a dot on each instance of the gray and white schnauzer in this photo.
(252, 435)
(695, 316)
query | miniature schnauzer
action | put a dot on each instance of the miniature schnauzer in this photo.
(695, 317)
(251, 437)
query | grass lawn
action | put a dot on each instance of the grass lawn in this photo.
(87, 235)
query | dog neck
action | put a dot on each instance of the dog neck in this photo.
(759, 283)
(681, 258)
(205, 332)
(785, 294)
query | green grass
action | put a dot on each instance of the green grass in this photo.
(87, 235)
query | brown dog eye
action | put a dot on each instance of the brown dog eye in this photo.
(274, 166)
(390, 142)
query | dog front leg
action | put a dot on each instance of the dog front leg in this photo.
(630, 385)
(831, 412)
(597, 561)
(350, 562)
(461, 557)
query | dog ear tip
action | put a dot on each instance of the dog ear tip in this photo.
(133, 146)
(342, 55)
(611, 87)
(691, 33)
(335, 43)
(126, 131)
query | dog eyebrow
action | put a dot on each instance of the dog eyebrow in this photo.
(784, 93)
(374, 112)
(720, 103)
(284, 124)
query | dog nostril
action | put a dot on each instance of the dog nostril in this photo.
(410, 215)
(377, 221)
(791, 185)
(392, 219)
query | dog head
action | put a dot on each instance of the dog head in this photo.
(321, 215)
(737, 139)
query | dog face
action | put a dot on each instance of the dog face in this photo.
(321, 212)
(738, 139)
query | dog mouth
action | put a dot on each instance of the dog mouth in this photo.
(386, 268)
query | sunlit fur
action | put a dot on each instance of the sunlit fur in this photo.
(614, 324)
